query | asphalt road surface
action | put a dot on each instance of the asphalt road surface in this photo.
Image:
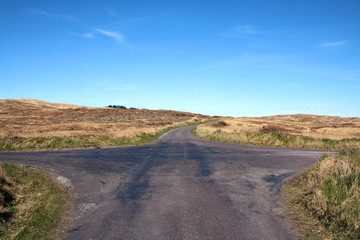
(179, 187)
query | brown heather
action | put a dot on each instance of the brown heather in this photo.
(313, 126)
(291, 131)
(28, 124)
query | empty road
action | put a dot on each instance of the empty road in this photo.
(180, 187)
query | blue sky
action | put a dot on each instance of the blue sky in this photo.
(232, 58)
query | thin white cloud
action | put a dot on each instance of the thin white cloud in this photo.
(244, 29)
(54, 15)
(241, 30)
(334, 44)
(111, 12)
(88, 35)
(116, 36)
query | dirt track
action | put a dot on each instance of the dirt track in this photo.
(180, 187)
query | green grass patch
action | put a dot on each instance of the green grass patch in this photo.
(36, 206)
(327, 198)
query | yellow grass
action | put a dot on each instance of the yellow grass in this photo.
(28, 118)
(335, 128)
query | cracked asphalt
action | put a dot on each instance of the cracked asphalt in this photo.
(180, 187)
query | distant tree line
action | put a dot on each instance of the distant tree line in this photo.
(119, 107)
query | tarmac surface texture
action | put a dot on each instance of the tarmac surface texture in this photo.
(180, 187)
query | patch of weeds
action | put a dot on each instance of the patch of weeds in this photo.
(329, 195)
(37, 204)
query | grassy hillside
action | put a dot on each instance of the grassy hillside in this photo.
(29, 124)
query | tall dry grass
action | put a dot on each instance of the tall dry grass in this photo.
(313, 126)
(25, 119)
(275, 139)
(330, 192)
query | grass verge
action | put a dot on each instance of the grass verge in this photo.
(274, 139)
(31, 203)
(326, 198)
(54, 143)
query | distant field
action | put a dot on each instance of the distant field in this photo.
(293, 131)
(313, 126)
(28, 124)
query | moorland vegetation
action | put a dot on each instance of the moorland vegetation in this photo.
(28, 125)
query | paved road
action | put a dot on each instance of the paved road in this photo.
(180, 187)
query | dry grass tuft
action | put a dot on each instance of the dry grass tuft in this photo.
(330, 193)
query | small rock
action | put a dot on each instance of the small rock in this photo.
(64, 181)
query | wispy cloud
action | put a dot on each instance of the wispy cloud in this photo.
(54, 15)
(241, 30)
(88, 35)
(115, 35)
(245, 29)
(333, 44)
(111, 12)
(124, 23)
